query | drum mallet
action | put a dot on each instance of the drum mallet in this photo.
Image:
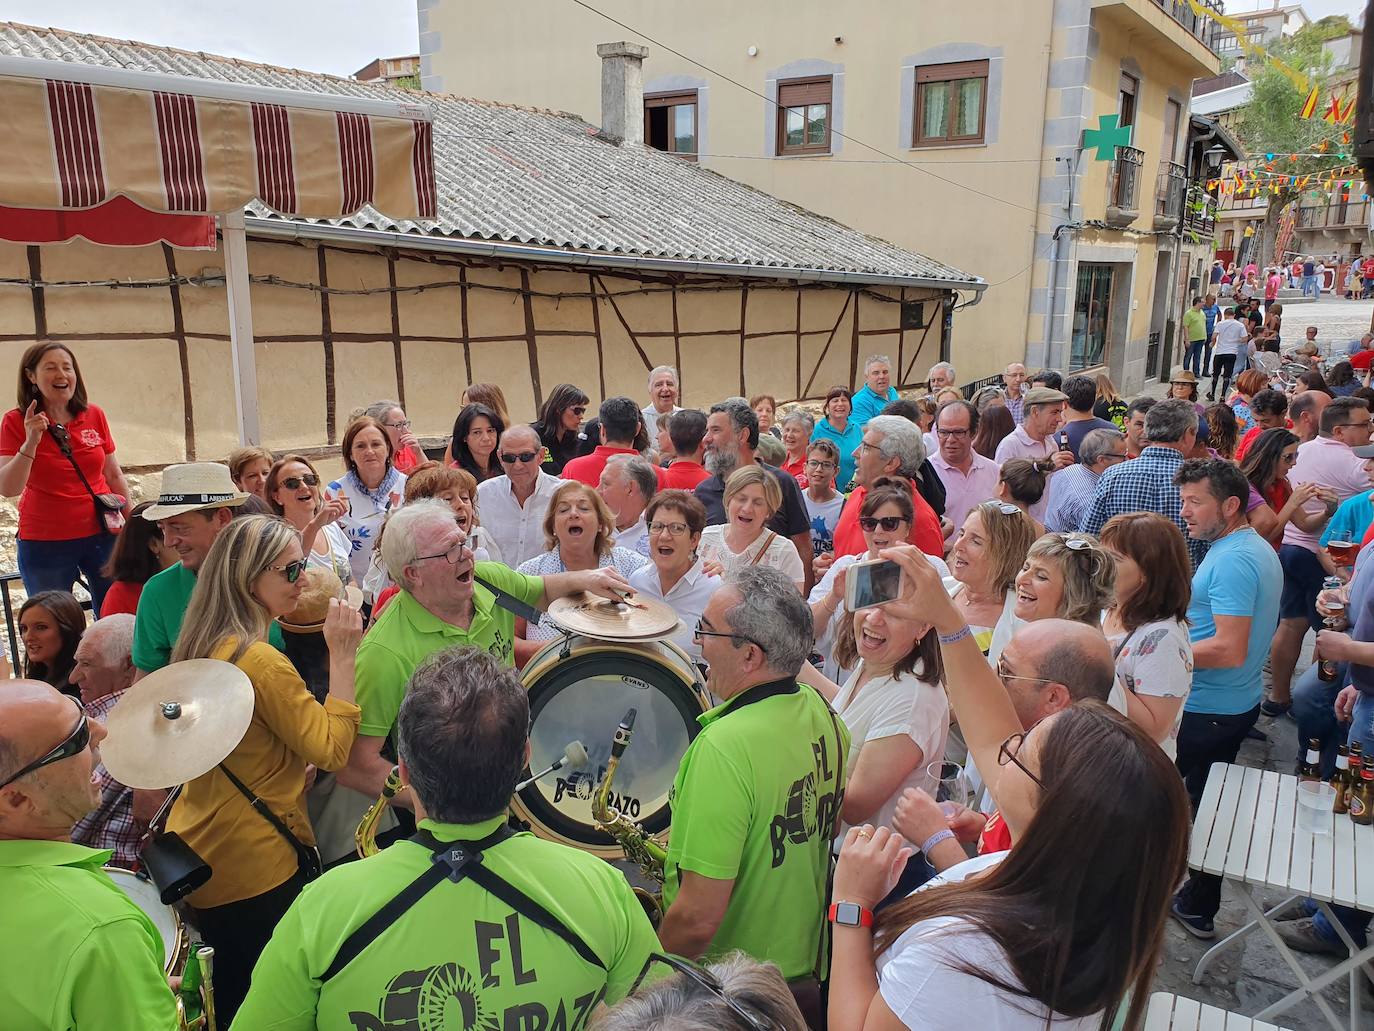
(574, 755)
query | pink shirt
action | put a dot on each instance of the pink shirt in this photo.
(965, 491)
(1019, 444)
(1329, 463)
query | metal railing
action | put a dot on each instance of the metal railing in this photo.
(1170, 187)
(1200, 211)
(9, 582)
(1334, 216)
(1123, 178)
(1203, 29)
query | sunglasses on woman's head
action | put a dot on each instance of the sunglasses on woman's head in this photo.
(294, 482)
(292, 570)
(888, 523)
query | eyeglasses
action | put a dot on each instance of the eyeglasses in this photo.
(1005, 674)
(813, 463)
(889, 523)
(578, 409)
(1007, 753)
(706, 980)
(1114, 454)
(292, 570)
(404, 424)
(698, 633)
(671, 529)
(454, 554)
(75, 744)
(294, 482)
(1358, 425)
(951, 433)
(523, 456)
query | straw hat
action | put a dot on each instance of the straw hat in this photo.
(1182, 376)
(320, 586)
(192, 487)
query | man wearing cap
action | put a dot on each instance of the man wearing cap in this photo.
(76, 952)
(197, 501)
(1035, 438)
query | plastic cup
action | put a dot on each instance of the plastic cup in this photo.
(1315, 800)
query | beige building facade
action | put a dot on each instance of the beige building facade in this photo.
(949, 128)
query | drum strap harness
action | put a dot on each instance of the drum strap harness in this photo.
(455, 861)
(510, 603)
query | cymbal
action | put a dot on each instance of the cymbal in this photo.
(636, 619)
(177, 723)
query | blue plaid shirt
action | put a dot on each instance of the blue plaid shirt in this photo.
(1144, 484)
(1017, 407)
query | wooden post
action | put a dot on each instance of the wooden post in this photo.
(241, 327)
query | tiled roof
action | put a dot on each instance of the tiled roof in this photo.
(545, 178)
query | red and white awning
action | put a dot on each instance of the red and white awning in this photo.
(79, 135)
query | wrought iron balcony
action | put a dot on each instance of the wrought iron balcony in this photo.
(1199, 212)
(1204, 29)
(1170, 187)
(1123, 186)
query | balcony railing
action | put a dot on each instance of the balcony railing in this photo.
(1170, 187)
(1350, 215)
(1204, 29)
(1123, 186)
(1200, 212)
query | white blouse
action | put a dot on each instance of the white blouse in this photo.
(781, 553)
(366, 513)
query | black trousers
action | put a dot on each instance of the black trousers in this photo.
(238, 932)
(1204, 739)
(1222, 366)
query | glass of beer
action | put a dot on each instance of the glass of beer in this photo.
(1343, 552)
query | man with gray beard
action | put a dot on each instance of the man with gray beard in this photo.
(732, 435)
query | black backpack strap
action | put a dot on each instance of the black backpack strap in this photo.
(455, 861)
(510, 603)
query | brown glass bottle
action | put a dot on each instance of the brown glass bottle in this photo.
(1340, 780)
(1362, 798)
(1311, 766)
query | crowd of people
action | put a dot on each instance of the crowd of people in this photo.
(1091, 589)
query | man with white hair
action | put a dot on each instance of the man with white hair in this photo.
(876, 392)
(513, 505)
(940, 377)
(103, 669)
(663, 397)
(446, 600)
(891, 446)
(627, 485)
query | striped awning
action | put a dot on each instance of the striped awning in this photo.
(78, 135)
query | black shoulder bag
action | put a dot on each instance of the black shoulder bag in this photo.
(109, 508)
(307, 856)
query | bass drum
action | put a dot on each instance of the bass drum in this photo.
(144, 895)
(579, 690)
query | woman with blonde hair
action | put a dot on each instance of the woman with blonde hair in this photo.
(752, 497)
(1110, 405)
(734, 993)
(1065, 576)
(250, 577)
(579, 531)
(248, 468)
(985, 558)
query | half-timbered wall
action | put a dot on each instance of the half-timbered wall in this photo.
(337, 328)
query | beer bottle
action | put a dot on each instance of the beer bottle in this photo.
(1340, 780)
(1362, 800)
(1311, 768)
(1327, 668)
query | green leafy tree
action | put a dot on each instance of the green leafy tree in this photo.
(1270, 122)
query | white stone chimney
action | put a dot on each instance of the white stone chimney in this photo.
(622, 90)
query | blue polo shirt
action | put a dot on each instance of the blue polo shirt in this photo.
(865, 404)
(1240, 576)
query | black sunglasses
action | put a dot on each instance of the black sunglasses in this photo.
(523, 456)
(706, 980)
(578, 409)
(75, 744)
(292, 570)
(294, 482)
(888, 523)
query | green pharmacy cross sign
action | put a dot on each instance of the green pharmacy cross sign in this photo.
(1106, 137)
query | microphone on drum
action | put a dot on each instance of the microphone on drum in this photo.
(575, 754)
(622, 734)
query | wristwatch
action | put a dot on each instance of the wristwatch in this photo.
(850, 914)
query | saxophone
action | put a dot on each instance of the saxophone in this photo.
(365, 837)
(637, 844)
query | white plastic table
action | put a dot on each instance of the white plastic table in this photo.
(1175, 1013)
(1246, 832)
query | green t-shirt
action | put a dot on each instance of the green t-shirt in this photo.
(161, 608)
(76, 952)
(406, 633)
(459, 957)
(755, 801)
(1195, 324)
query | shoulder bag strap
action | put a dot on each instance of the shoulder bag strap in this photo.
(455, 861)
(265, 812)
(64, 444)
(768, 543)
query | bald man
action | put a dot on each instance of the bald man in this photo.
(76, 952)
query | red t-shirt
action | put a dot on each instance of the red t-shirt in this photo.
(587, 469)
(797, 470)
(925, 528)
(1361, 359)
(405, 460)
(996, 836)
(387, 594)
(122, 596)
(54, 505)
(682, 474)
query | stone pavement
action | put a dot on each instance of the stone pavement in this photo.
(1338, 322)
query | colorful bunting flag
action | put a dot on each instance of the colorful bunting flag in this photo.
(1310, 106)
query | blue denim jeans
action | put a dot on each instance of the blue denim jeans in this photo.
(1192, 360)
(55, 565)
(1314, 710)
(1309, 286)
(1356, 923)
